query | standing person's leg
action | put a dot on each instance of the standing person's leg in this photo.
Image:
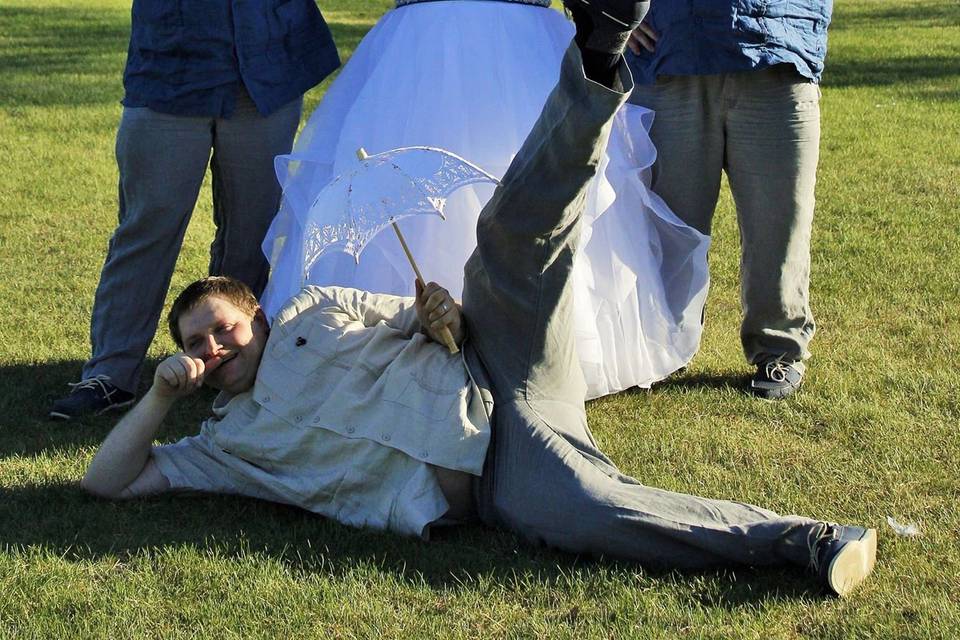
(773, 144)
(246, 193)
(688, 134)
(161, 159)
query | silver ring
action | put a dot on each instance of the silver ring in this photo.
(444, 307)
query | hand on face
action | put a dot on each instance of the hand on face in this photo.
(227, 341)
(436, 309)
(180, 375)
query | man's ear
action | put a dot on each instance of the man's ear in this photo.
(260, 317)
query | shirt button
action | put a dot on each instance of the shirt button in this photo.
(266, 398)
(386, 437)
(424, 454)
(350, 429)
(316, 419)
(298, 419)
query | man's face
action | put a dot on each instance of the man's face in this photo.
(217, 331)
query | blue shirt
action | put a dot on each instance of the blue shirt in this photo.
(700, 37)
(190, 57)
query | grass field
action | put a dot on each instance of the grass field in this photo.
(874, 432)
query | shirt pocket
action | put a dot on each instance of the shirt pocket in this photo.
(156, 27)
(292, 14)
(151, 14)
(289, 20)
(306, 347)
(434, 388)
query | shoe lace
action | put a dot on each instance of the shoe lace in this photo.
(777, 370)
(819, 534)
(101, 381)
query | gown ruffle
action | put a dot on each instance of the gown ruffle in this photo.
(471, 77)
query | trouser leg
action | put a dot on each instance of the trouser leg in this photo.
(549, 491)
(162, 160)
(246, 194)
(688, 133)
(544, 477)
(773, 144)
(516, 295)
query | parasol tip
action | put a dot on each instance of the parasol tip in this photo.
(361, 153)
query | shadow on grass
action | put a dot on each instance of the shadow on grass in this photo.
(65, 522)
(941, 14)
(63, 56)
(843, 70)
(851, 71)
(30, 389)
(693, 381)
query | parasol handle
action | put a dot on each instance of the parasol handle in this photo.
(445, 334)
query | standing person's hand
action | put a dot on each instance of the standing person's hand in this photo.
(437, 309)
(643, 36)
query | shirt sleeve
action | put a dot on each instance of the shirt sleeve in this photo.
(353, 305)
(197, 464)
(372, 308)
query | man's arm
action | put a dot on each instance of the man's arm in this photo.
(431, 309)
(122, 467)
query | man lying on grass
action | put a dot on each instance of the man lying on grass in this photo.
(347, 405)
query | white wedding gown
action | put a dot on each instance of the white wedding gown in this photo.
(471, 77)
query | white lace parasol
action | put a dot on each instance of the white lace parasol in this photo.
(384, 188)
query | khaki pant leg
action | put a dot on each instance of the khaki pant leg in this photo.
(688, 134)
(773, 141)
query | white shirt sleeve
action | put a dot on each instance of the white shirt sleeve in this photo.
(353, 305)
(197, 464)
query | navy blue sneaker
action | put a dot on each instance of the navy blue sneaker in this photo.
(843, 556)
(776, 378)
(91, 396)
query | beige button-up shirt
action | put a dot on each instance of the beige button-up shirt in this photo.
(351, 407)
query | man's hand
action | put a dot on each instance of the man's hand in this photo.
(643, 36)
(180, 375)
(436, 309)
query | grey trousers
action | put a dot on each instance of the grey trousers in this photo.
(544, 476)
(162, 161)
(762, 128)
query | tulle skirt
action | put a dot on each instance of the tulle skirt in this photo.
(471, 77)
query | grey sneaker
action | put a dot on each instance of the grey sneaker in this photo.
(776, 378)
(842, 556)
(91, 396)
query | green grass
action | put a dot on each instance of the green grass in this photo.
(874, 432)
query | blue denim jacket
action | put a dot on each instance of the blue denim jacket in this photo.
(189, 57)
(699, 37)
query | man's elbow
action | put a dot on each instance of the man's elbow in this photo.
(101, 489)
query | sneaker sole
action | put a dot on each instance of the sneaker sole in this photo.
(56, 415)
(853, 564)
(774, 393)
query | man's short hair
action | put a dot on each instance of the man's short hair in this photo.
(230, 289)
